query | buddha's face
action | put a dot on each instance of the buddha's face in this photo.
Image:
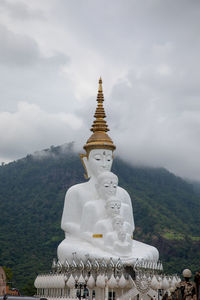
(117, 224)
(99, 160)
(113, 207)
(107, 183)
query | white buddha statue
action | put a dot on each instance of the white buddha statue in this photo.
(84, 199)
(93, 211)
(111, 209)
(118, 240)
(96, 212)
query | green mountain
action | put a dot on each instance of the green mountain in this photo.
(32, 189)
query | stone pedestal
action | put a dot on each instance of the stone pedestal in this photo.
(101, 280)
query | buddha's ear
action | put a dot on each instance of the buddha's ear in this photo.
(84, 160)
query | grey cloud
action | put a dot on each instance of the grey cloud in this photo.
(30, 127)
(20, 10)
(27, 75)
(118, 29)
(148, 55)
(149, 134)
(17, 49)
(21, 50)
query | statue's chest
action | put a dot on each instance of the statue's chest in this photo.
(88, 195)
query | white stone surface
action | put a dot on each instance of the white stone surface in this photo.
(91, 209)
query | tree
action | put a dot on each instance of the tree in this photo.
(29, 289)
(9, 274)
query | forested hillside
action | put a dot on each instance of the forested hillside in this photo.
(166, 211)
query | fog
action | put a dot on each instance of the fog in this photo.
(147, 52)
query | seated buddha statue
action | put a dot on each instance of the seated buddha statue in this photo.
(108, 220)
(118, 240)
(106, 187)
(83, 199)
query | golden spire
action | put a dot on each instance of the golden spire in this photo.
(99, 138)
(100, 124)
(100, 85)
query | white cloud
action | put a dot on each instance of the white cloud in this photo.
(155, 131)
(147, 52)
(32, 128)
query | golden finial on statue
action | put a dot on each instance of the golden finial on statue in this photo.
(99, 139)
(100, 85)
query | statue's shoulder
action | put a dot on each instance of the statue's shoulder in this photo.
(77, 189)
(123, 192)
(123, 195)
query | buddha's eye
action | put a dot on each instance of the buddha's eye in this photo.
(97, 157)
(106, 185)
(114, 186)
(108, 158)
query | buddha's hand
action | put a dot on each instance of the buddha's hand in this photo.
(122, 235)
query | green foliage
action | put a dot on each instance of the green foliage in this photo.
(166, 211)
(9, 274)
(29, 289)
(173, 236)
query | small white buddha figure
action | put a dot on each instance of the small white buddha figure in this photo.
(97, 160)
(108, 208)
(113, 206)
(95, 212)
(117, 240)
(117, 224)
(104, 225)
(106, 185)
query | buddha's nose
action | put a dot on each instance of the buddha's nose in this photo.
(103, 163)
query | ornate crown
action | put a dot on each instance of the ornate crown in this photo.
(99, 139)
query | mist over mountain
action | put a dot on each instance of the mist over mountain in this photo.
(166, 211)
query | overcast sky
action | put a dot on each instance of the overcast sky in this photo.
(52, 53)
